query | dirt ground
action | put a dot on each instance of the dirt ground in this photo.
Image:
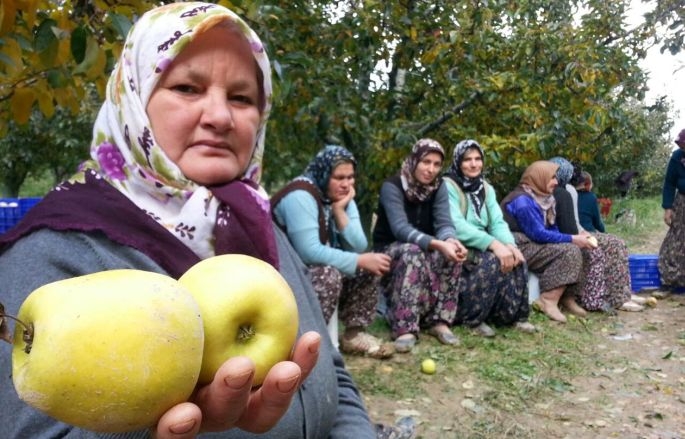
(635, 389)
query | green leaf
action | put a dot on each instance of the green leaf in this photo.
(45, 37)
(667, 356)
(121, 23)
(78, 44)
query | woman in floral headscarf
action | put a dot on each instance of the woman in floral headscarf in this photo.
(555, 257)
(318, 213)
(493, 283)
(414, 228)
(605, 283)
(174, 179)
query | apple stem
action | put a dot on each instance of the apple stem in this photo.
(245, 332)
(27, 336)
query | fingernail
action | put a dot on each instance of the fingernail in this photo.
(238, 381)
(288, 386)
(182, 427)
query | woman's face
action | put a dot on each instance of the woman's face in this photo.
(428, 168)
(472, 163)
(341, 182)
(205, 109)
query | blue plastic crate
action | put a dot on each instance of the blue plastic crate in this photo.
(644, 272)
(13, 209)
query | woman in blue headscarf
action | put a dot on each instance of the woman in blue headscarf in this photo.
(318, 213)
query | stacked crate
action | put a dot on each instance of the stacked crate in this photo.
(13, 209)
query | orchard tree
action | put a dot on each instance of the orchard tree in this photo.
(528, 79)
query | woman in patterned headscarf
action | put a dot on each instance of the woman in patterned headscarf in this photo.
(605, 283)
(174, 179)
(318, 213)
(414, 228)
(555, 257)
(493, 287)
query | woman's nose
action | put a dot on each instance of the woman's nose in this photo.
(217, 113)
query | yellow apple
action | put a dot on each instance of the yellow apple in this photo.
(428, 366)
(247, 309)
(109, 351)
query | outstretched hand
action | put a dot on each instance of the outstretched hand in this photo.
(229, 401)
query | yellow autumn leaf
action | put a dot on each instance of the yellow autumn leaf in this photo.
(21, 103)
(98, 67)
(12, 52)
(45, 102)
(9, 11)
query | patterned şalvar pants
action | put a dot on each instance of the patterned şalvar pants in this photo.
(356, 297)
(672, 251)
(421, 288)
(488, 295)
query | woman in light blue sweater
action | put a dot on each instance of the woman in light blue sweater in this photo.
(318, 213)
(493, 285)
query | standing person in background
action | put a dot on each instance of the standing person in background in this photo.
(555, 257)
(414, 228)
(672, 253)
(174, 179)
(605, 285)
(588, 206)
(493, 287)
(318, 213)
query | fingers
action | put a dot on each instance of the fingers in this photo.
(306, 352)
(225, 399)
(270, 402)
(180, 422)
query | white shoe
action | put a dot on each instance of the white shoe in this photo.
(638, 299)
(631, 306)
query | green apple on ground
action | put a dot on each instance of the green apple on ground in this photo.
(247, 309)
(103, 351)
(428, 366)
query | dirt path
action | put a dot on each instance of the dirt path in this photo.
(634, 386)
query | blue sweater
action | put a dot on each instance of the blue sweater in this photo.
(674, 179)
(530, 221)
(298, 212)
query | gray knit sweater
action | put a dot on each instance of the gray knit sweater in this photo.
(328, 404)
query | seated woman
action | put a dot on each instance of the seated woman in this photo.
(553, 256)
(588, 207)
(605, 284)
(318, 213)
(414, 228)
(494, 288)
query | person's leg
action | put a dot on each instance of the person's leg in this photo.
(357, 310)
(442, 298)
(327, 283)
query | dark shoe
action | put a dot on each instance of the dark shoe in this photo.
(483, 330)
(404, 343)
(444, 336)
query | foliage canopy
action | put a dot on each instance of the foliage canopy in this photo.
(529, 79)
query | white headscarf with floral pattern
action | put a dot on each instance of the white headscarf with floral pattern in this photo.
(124, 150)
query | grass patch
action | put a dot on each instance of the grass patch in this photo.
(648, 219)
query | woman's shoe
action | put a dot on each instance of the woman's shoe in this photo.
(638, 299)
(444, 336)
(405, 342)
(572, 306)
(526, 327)
(366, 344)
(483, 330)
(631, 306)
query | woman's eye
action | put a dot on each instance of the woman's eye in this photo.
(243, 99)
(184, 88)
